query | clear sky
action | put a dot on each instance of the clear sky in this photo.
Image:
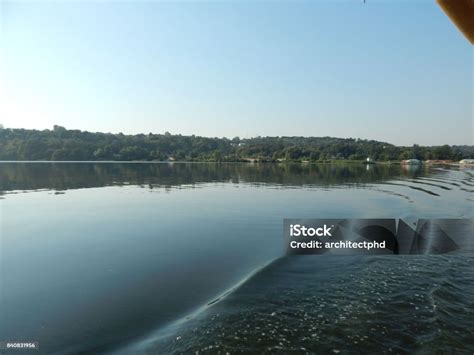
(396, 71)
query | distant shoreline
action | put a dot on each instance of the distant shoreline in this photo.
(338, 162)
(61, 144)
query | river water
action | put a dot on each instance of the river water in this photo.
(186, 257)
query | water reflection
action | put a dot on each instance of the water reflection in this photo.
(64, 176)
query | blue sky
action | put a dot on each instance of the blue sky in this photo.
(396, 71)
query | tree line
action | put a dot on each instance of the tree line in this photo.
(61, 144)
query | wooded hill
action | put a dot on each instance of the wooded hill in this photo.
(63, 144)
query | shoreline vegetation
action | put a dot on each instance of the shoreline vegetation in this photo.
(61, 145)
(249, 161)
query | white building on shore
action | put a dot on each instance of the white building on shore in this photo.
(411, 162)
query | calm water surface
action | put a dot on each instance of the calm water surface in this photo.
(154, 258)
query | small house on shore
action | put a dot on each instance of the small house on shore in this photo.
(411, 162)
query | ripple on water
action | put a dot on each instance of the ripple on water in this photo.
(334, 304)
